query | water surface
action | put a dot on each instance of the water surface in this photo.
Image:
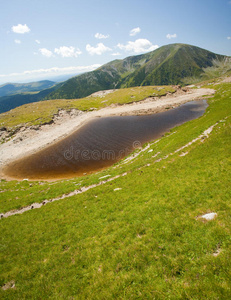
(100, 143)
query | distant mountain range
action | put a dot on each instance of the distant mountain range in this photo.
(10, 102)
(19, 88)
(171, 64)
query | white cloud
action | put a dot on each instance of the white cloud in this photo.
(171, 36)
(99, 49)
(20, 28)
(116, 54)
(46, 52)
(229, 37)
(17, 41)
(101, 36)
(37, 41)
(134, 31)
(49, 72)
(139, 46)
(68, 51)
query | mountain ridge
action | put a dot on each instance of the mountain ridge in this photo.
(168, 64)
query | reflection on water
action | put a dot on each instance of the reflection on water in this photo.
(100, 143)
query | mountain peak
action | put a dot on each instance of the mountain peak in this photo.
(168, 64)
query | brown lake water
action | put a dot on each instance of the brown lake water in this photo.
(100, 143)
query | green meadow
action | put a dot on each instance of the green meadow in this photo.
(139, 236)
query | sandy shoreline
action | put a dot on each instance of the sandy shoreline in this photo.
(29, 140)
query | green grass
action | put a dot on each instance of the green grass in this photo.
(42, 112)
(141, 242)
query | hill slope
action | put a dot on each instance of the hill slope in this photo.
(166, 65)
(137, 232)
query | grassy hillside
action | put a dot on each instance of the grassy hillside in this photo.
(144, 241)
(167, 65)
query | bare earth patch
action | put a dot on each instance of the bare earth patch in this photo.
(9, 285)
(227, 79)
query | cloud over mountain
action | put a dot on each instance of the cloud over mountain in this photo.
(171, 36)
(139, 46)
(98, 50)
(20, 29)
(46, 52)
(68, 51)
(135, 31)
(101, 36)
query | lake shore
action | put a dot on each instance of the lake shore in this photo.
(30, 140)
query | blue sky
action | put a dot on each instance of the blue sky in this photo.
(45, 38)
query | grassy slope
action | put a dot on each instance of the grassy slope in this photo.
(42, 112)
(142, 242)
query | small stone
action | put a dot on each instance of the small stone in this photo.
(100, 269)
(209, 216)
(104, 176)
(183, 154)
(117, 189)
(217, 252)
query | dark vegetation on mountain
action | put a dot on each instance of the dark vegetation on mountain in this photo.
(19, 88)
(168, 65)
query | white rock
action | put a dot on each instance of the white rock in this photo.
(117, 189)
(104, 176)
(209, 216)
